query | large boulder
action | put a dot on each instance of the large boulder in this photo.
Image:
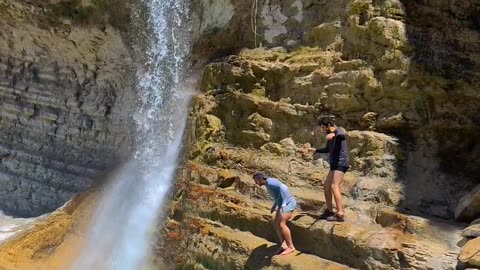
(470, 253)
(388, 32)
(373, 153)
(468, 208)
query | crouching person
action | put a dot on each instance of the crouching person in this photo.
(284, 205)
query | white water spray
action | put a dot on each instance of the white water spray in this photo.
(122, 226)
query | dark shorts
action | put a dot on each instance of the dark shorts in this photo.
(343, 169)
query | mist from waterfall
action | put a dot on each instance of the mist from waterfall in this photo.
(121, 232)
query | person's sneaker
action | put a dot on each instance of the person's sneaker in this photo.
(326, 214)
(336, 217)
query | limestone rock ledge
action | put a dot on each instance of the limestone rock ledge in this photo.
(382, 69)
(219, 219)
(237, 127)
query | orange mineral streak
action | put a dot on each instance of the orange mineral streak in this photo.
(53, 241)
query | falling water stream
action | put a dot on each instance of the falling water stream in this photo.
(122, 226)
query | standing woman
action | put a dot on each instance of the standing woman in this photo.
(338, 158)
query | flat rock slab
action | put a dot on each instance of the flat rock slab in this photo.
(247, 251)
(470, 253)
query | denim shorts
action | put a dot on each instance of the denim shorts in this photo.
(291, 205)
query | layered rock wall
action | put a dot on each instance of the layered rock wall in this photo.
(65, 97)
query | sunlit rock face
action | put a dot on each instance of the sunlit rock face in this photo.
(399, 76)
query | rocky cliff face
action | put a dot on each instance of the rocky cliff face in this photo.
(387, 68)
(400, 76)
(65, 95)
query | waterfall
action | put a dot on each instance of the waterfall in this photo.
(122, 226)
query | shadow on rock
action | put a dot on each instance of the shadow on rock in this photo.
(261, 257)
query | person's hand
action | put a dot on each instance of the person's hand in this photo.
(273, 209)
(310, 150)
(330, 136)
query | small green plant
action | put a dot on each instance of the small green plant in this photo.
(423, 106)
(259, 92)
(105, 4)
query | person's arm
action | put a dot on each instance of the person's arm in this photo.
(274, 193)
(274, 207)
(340, 135)
(279, 199)
(322, 150)
(284, 195)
